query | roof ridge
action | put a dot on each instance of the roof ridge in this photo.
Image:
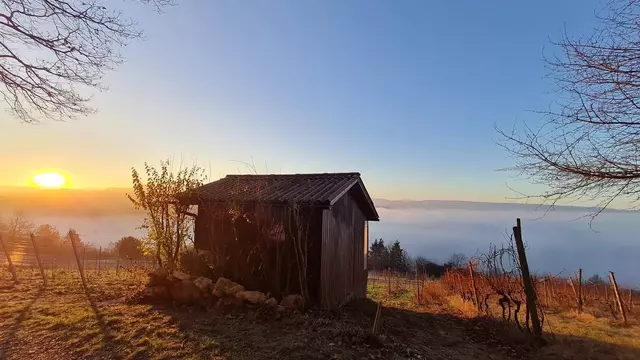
(353, 174)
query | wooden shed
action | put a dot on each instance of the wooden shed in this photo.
(298, 233)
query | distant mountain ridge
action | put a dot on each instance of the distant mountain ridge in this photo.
(113, 201)
(479, 206)
(66, 202)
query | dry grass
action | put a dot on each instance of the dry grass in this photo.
(570, 335)
(62, 322)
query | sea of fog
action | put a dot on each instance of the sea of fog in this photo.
(557, 242)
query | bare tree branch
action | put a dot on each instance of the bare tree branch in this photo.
(54, 52)
(588, 146)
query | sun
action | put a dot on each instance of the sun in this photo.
(52, 180)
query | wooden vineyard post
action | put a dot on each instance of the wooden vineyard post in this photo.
(473, 283)
(117, 265)
(580, 291)
(546, 290)
(377, 319)
(84, 252)
(35, 249)
(630, 299)
(98, 262)
(617, 293)
(75, 253)
(575, 293)
(6, 253)
(529, 290)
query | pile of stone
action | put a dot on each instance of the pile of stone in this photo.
(185, 289)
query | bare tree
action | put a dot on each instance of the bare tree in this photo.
(457, 260)
(19, 226)
(588, 147)
(53, 52)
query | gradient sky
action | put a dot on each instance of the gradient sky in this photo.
(405, 92)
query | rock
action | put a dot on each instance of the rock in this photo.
(158, 277)
(254, 297)
(185, 291)
(221, 286)
(161, 272)
(226, 287)
(181, 276)
(271, 302)
(160, 292)
(294, 301)
(281, 309)
(235, 289)
(204, 284)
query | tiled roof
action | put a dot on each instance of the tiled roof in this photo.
(310, 189)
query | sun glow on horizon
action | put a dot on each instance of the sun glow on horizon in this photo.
(50, 180)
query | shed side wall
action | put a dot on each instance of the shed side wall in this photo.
(343, 272)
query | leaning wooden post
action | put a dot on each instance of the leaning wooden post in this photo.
(80, 267)
(6, 253)
(580, 301)
(35, 249)
(617, 293)
(473, 283)
(529, 290)
(376, 320)
(575, 293)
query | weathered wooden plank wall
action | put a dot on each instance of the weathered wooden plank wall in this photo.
(343, 270)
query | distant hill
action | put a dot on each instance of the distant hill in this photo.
(478, 206)
(67, 202)
(113, 201)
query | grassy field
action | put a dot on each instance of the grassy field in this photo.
(62, 322)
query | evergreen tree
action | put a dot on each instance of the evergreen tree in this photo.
(378, 258)
(398, 260)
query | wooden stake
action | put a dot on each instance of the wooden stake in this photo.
(117, 265)
(35, 248)
(529, 290)
(80, 267)
(376, 321)
(630, 299)
(617, 293)
(473, 283)
(546, 290)
(6, 253)
(575, 293)
(580, 291)
(99, 255)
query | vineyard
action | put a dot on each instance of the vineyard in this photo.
(582, 319)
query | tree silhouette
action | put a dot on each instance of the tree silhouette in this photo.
(129, 247)
(588, 147)
(457, 260)
(53, 51)
(378, 255)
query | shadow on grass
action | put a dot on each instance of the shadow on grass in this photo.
(12, 330)
(345, 334)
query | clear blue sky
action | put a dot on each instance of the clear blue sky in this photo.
(405, 92)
